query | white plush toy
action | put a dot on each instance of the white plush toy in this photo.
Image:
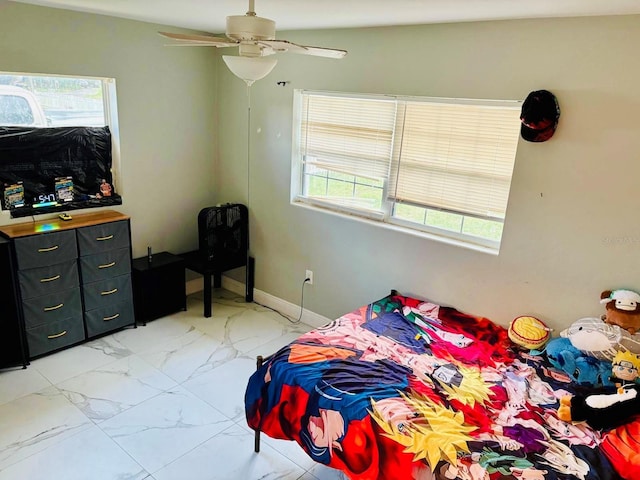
(598, 339)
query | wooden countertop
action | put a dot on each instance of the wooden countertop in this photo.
(25, 229)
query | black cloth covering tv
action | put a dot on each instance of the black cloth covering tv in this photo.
(36, 157)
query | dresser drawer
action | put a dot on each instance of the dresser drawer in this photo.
(105, 265)
(52, 307)
(54, 335)
(107, 292)
(50, 279)
(46, 249)
(102, 320)
(100, 238)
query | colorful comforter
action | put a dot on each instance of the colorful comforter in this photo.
(407, 389)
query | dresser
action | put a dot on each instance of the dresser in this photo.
(71, 280)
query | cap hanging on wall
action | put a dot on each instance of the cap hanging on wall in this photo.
(539, 116)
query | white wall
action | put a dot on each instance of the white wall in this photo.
(572, 226)
(166, 103)
(571, 229)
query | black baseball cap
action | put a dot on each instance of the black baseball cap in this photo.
(539, 116)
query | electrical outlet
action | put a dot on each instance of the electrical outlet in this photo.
(309, 275)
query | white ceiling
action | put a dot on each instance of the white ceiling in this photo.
(209, 15)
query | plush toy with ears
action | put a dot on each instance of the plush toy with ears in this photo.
(583, 369)
(608, 410)
(623, 309)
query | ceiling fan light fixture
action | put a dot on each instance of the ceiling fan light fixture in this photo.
(250, 69)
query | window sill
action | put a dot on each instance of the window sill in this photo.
(400, 229)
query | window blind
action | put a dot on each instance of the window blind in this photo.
(455, 156)
(348, 135)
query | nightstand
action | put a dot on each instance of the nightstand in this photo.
(158, 286)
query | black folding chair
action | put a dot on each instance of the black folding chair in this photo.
(223, 239)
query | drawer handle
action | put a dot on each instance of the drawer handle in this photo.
(57, 335)
(48, 309)
(102, 239)
(107, 265)
(112, 317)
(109, 292)
(49, 249)
(50, 279)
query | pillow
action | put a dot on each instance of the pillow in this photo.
(621, 446)
(528, 332)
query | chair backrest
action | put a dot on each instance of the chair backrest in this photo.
(223, 234)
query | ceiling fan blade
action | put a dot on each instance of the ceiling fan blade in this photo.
(286, 46)
(203, 40)
(200, 44)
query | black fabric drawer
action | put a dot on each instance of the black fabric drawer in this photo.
(54, 335)
(105, 265)
(50, 279)
(100, 238)
(52, 308)
(107, 292)
(45, 249)
(102, 320)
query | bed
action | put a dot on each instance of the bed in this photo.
(406, 389)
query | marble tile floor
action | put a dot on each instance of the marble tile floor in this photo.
(160, 402)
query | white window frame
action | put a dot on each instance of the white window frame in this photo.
(384, 217)
(110, 107)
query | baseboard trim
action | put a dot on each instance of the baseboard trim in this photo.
(286, 308)
(195, 285)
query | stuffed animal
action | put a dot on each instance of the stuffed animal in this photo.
(623, 309)
(594, 337)
(582, 369)
(608, 410)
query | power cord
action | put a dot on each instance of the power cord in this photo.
(293, 322)
(301, 300)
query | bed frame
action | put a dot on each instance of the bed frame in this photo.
(259, 361)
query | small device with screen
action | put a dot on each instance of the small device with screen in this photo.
(45, 200)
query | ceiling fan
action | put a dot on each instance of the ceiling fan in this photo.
(255, 38)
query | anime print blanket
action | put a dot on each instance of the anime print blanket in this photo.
(406, 389)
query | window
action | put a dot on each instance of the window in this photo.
(439, 166)
(54, 101)
(65, 166)
(16, 109)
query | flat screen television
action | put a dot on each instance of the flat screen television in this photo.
(45, 170)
